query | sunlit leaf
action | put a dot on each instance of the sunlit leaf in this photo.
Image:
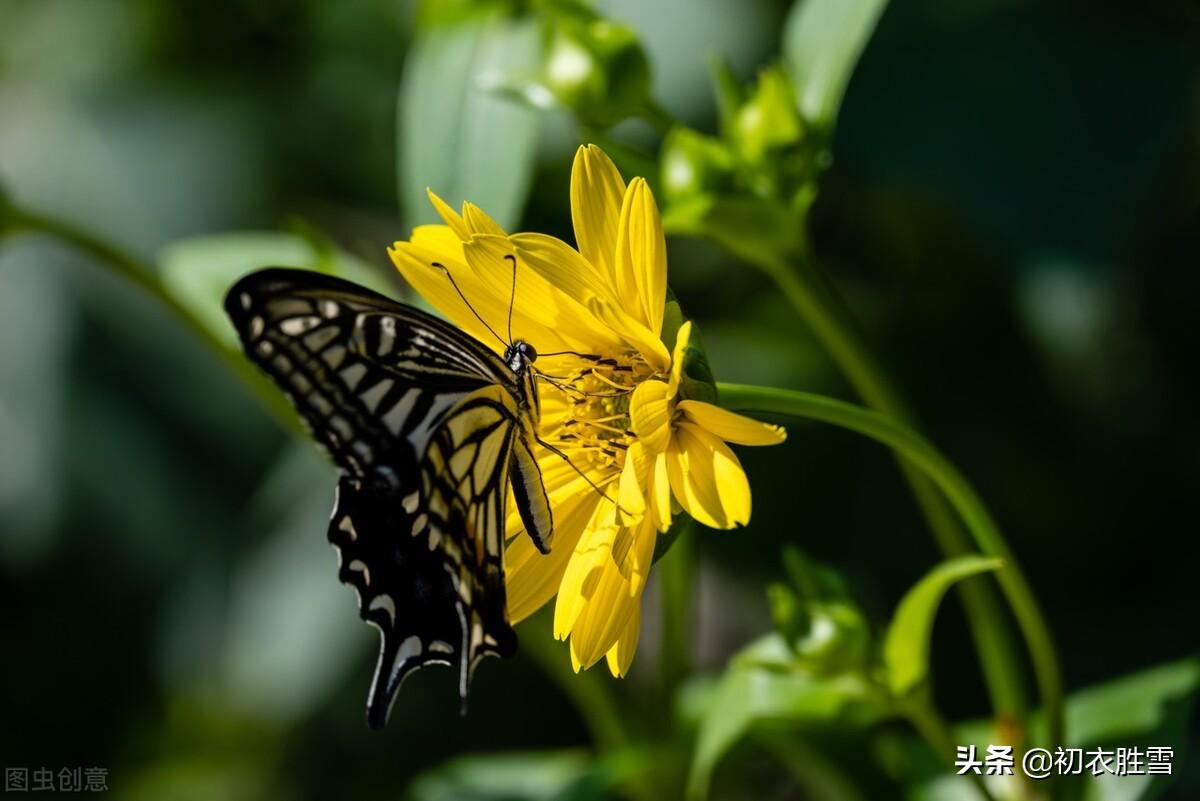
(457, 135)
(761, 688)
(906, 644)
(822, 41)
(1150, 708)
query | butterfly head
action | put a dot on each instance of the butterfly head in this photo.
(519, 355)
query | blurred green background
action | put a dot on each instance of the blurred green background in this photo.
(1013, 214)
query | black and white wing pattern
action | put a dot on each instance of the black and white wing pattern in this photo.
(428, 426)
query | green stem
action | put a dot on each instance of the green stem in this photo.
(809, 293)
(591, 696)
(962, 496)
(676, 574)
(933, 729)
(145, 279)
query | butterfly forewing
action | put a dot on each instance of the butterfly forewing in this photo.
(425, 422)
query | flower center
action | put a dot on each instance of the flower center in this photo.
(593, 426)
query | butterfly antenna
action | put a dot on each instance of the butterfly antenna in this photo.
(512, 298)
(454, 284)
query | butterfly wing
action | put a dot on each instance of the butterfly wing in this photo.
(423, 420)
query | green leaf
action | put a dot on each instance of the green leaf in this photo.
(198, 271)
(1152, 707)
(550, 776)
(456, 136)
(906, 645)
(760, 689)
(822, 40)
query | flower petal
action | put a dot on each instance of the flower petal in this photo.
(440, 238)
(586, 567)
(415, 263)
(650, 415)
(620, 656)
(479, 222)
(604, 616)
(452, 218)
(597, 191)
(682, 337)
(617, 596)
(632, 503)
(730, 426)
(661, 492)
(564, 267)
(541, 312)
(714, 480)
(641, 261)
(533, 578)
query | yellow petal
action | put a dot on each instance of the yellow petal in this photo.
(479, 222)
(629, 496)
(682, 337)
(604, 616)
(541, 313)
(617, 597)
(650, 415)
(564, 267)
(439, 238)
(620, 656)
(415, 263)
(596, 196)
(453, 219)
(587, 565)
(714, 482)
(533, 578)
(642, 256)
(730, 426)
(661, 492)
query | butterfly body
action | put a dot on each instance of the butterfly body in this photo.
(431, 430)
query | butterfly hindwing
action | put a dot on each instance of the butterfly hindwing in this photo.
(426, 424)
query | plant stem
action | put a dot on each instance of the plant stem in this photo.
(809, 293)
(145, 279)
(933, 729)
(676, 573)
(591, 696)
(961, 495)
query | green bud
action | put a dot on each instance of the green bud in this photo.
(768, 120)
(694, 164)
(836, 639)
(597, 69)
(787, 612)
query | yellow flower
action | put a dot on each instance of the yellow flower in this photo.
(610, 398)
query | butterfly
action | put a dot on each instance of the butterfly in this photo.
(431, 429)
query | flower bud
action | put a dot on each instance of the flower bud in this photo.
(836, 640)
(694, 164)
(769, 119)
(597, 69)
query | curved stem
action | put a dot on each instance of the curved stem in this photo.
(145, 279)
(807, 290)
(961, 495)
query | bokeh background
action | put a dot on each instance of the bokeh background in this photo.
(1013, 214)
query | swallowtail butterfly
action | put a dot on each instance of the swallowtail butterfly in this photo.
(430, 429)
